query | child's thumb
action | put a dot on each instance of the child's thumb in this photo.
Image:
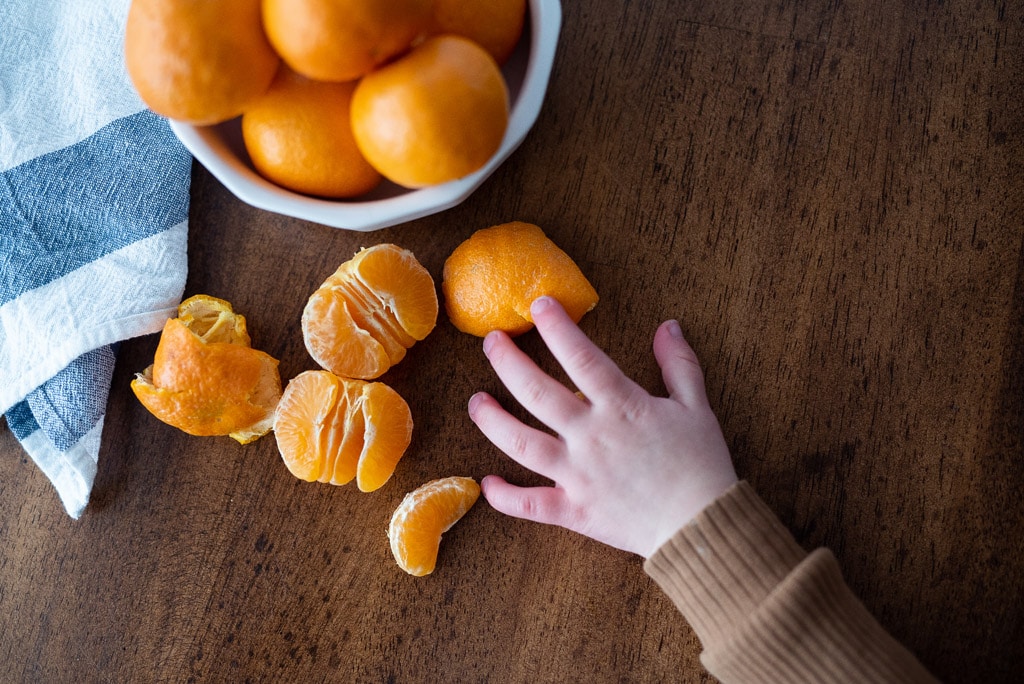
(680, 368)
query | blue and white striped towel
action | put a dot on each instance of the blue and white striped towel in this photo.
(93, 227)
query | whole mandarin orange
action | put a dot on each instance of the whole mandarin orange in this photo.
(434, 115)
(340, 40)
(299, 136)
(497, 25)
(198, 61)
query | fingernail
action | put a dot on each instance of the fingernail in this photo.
(674, 330)
(540, 304)
(474, 401)
(489, 341)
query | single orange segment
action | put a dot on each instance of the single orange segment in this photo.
(423, 516)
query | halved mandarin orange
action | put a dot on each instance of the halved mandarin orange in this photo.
(491, 279)
(364, 317)
(333, 429)
(423, 516)
(205, 378)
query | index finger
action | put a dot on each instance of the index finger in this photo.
(596, 375)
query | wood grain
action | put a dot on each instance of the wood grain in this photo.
(827, 195)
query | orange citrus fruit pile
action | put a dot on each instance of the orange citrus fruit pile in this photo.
(364, 317)
(491, 279)
(424, 100)
(206, 379)
(423, 516)
(332, 429)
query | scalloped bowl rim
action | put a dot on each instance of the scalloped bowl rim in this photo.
(208, 145)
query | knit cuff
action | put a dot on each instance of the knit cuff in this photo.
(720, 566)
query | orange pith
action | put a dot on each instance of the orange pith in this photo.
(496, 25)
(340, 40)
(433, 115)
(205, 378)
(198, 61)
(491, 279)
(332, 429)
(364, 317)
(298, 135)
(423, 516)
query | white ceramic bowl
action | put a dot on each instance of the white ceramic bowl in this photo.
(221, 150)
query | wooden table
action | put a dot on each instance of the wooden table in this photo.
(827, 195)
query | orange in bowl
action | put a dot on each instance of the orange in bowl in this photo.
(496, 25)
(423, 516)
(298, 135)
(340, 40)
(434, 115)
(197, 61)
(331, 429)
(206, 379)
(364, 317)
(491, 279)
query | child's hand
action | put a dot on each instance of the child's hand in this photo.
(629, 469)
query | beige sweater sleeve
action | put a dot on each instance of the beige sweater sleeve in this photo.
(765, 610)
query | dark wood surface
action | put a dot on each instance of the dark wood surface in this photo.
(827, 194)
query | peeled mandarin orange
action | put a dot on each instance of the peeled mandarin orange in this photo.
(205, 378)
(434, 115)
(298, 136)
(364, 317)
(491, 279)
(340, 40)
(423, 516)
(198, 61)
(332, 429)
(496, 25)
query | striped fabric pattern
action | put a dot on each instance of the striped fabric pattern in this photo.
(93, 228)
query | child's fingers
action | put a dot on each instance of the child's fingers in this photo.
(680, 368)
(596, 375)
(544, 397)
(531, 448)
(539, 504)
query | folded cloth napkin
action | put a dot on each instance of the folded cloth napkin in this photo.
(93, 227)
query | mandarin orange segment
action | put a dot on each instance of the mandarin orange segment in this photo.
(198, 61)
(388, 431)
(352, 441)
(333, 429)
(364, 317)
(491, 279)
(435, 114)
(205, 386)
(423, 516)
(304, 424)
